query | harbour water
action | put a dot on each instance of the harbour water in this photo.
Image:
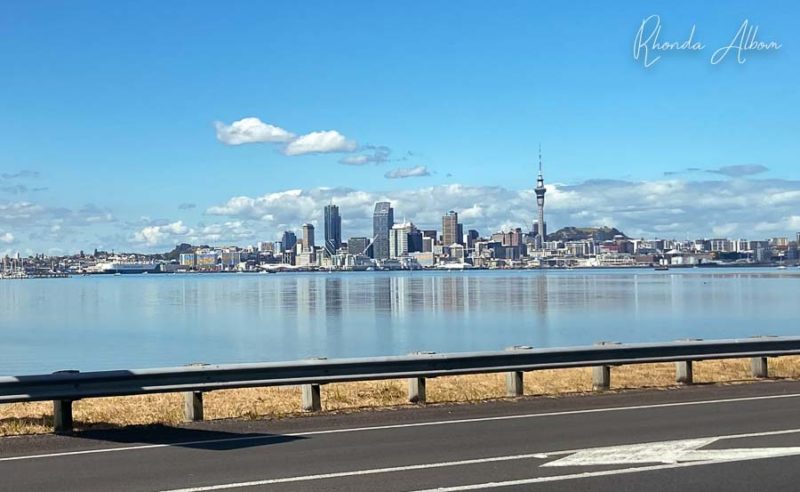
(119, 322)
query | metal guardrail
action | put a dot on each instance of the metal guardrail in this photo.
(67, 386)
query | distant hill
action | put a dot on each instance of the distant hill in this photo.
(578, 233)
(181, 248)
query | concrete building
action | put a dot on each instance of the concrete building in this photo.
(382, 222)
(308, 237)
(451, 229)
(333, 229)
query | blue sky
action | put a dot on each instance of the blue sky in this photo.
(108, 111)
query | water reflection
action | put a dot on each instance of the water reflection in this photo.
(119, 322)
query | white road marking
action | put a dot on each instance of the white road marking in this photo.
(735, 456)
(666, 452)
(373, 471)
(575, 476)
(397, 426)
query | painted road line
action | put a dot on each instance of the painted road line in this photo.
(267, 438)
(679, 451)
(373, 471)
(683, 445)
(576, 476)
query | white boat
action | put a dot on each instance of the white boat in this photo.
(125, 267)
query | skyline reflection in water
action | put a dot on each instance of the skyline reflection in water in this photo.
(105, 322)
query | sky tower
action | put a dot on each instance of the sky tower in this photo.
(540, 191)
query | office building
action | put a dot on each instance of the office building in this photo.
(308, 237)
(288, 241)
(382, 222)
(451, 229)
(333, 229)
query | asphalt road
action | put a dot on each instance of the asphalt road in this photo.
(741, 437)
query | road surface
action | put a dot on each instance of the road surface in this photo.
(733, 438)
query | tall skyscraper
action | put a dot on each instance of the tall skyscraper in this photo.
(382, 222)
(540, 191)
(451, 229)
(288, 240)
(333, 229)
(308, 237)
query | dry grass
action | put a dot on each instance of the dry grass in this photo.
(257, 403)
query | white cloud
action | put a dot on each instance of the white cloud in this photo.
(320, 142)
(162, 235)
(407, 172)
(666, 208)
(355, 160)
(251, 130)
(7, 238)
(379, 155)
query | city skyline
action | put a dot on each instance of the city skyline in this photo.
(139, 142)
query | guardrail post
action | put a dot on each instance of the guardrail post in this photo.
(758, 365)
(62, 416)
(311, 397)
(601, 378)
(193, 401)
(514, 384)
(601, 375)
(193, 406)
(416, 390)
(683, 372)
(515, 379)
(62, 411)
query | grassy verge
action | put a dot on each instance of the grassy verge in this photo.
(259, 403)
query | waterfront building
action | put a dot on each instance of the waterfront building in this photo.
(382, 222)
(187, 260)
(333, 229)
(308, 238)
(229, 258)
(451, 229)
(540, 190)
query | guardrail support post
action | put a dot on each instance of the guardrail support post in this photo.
(62, 416)
(601, 378)
(759, 367)
(683, 372)
(514, 384)
(416, 390)
(193, 406)
(515, 379)
(311, 397)
(601, 375)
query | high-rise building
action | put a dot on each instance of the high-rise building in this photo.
(540, 191)
(288, 240)
(382, 222)
(308, 237)
(451, 232)
(333, 229)
(403, 239)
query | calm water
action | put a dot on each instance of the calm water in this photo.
(104, 322)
